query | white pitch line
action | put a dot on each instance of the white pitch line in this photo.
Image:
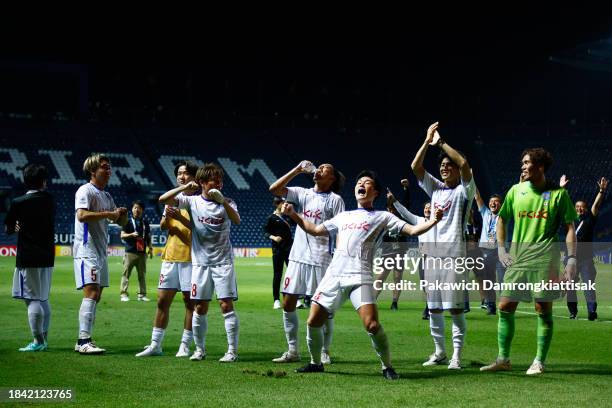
(562, 317)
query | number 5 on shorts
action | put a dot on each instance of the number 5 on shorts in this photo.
(94, 275)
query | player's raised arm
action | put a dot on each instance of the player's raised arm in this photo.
(454, 155)
(603, 185)
(279, 187)
(417, 163)
(307, 226)
(405, 213)
(422, 227)
(169, 197)
(479, 201)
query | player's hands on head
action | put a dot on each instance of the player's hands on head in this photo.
(563, 181)
(430, 133)
(603, 183)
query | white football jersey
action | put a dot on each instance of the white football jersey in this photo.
(359, 233)
(210, 233)
(316, 208)
(455, 204)
(91, 238)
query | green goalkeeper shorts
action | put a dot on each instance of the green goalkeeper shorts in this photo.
(524, 285)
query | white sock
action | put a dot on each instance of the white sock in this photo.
(86, 317)
(314, 339)
(291, 323)
(47, 309)
(187, 337)
(459, 330)
(199, 324)
(436, 328)
(232, 328)
(328, 334)
(36, 316)
(380, 342)
(157, 337)
(95, 314)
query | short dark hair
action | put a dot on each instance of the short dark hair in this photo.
(34, 176)
(208, 172)
(582, 200)
(371, 174)
(500, 198)
(443, 154)
(138, 203)
(191, 167)
(539, 156)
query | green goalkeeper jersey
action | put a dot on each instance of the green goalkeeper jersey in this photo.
(537, 215)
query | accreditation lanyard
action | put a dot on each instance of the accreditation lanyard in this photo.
(492, 226)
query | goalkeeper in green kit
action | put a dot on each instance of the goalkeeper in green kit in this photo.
(539, 208)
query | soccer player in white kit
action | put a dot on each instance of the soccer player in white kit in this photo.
(211, 254)
(349, 275)
(95, 208)
(454, 195)
(309, 256)
(175, 274)
(32, 217)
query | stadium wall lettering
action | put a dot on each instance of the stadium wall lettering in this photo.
(130, 167)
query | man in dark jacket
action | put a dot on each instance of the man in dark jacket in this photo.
(278, 230)
(137, 236)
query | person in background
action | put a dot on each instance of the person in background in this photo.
(585, 226)
(137, 236)
(278, 230)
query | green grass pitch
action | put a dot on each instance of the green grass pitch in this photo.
(579, 366)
